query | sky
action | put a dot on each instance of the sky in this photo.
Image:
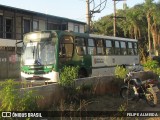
(72, 9)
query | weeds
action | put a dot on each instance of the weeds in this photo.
(120, 72)
(150, 64)
(68, 76)
(12, 99)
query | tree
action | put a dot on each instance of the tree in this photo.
(142, 22)
(149, 8)
(155, 31)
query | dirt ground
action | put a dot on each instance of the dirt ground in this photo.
(116, 103)
(112, 103)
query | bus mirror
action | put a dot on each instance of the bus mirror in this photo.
(18, 47)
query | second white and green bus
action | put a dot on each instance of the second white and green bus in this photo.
(45, 53)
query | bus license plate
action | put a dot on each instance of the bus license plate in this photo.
(155, 88)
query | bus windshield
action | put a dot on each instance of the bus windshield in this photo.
(38, 53)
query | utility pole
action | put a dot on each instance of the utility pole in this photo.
(88, 15)
(114, 19)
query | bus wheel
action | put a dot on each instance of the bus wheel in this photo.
(82, 73)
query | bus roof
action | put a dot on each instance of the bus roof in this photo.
(90, 35)
(102, 36)
(112, 38)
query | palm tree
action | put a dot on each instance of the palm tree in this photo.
(155, 26)
(148, 8)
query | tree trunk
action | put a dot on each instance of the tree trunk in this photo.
(139, 33)
(158, 38)
(135, 32)
(149, 36)
(155, 36)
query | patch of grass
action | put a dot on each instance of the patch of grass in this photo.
(12, 99)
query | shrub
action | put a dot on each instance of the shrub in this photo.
(68, 75)
(84, 90)
(121, 72)
(150, 64)
(67, 78)
(11, 98)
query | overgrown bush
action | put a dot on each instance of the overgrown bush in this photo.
(120, 72)
(151, 65)
(12, 99)
(84, 90)
(67, 79)
(68, 75)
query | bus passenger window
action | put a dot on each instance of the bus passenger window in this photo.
(117, 48)
(135, 48)
(100, 49)
(109, 47)
(80, 46)
(123, 48)
(91, 47)
(130, 48)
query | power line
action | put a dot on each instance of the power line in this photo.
(114, 17)
(89, 13)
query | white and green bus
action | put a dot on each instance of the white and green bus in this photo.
(45, 53)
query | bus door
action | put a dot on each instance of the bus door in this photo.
(65, 49)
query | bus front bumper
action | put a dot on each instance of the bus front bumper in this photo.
(49, 77)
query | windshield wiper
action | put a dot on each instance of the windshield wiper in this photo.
(37, 62)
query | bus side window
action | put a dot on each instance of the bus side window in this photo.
(109, 47)
(80, 46)
(130, 48)
(123, 48)
(135, 48)
(100, 49)
(91, 47)
(117, 48)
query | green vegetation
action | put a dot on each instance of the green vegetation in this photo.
(68, 75)
(121, 72)
(141, 22)
(150, 64)
(67, 80)
(14, 99)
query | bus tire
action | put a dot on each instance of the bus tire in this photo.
(82, 73)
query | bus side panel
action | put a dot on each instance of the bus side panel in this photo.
(105, 65)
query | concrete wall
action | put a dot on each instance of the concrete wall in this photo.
(9, 64)
(53, 93)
